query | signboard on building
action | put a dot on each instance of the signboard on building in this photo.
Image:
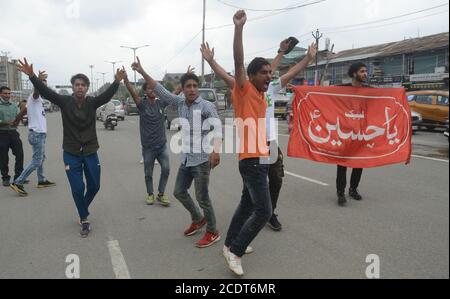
(428, 77)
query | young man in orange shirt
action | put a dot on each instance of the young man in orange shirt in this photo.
(255, 208)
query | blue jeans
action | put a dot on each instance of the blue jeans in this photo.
(199, 174)
(37, 142)
(255, 208)
(75, 166)
(162, 155)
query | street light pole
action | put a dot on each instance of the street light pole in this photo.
(114, 67)
(103, 74)
(92, 78)
(203, 40)
(134, 53)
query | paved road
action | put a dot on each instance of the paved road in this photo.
(404, 219)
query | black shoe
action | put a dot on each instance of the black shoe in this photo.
(274, 223)
(355, 194)
(342, 201)
(46, 184)
(18, 189)
(6, 183)
(85, 229)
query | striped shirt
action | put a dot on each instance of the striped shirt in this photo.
(196, 122)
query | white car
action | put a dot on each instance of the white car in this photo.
(120, 112)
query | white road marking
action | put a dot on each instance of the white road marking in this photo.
(117, 260)
(432, 159)
(306, 179)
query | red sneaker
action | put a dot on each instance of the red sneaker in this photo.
(208, 240)
(195, 228)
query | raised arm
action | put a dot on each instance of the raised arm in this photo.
(284, 46)
(208, 55)
(43, 89)
(43, 77)
(137, 99)
(136, 66)
(108, 94)
(162, 93)
(239, 20)
(299, 67)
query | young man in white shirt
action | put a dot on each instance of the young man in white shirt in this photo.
(37, 135)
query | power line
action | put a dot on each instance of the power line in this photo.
(387, 19)
(384, 25)
(182, 49)
(294, 6)
(263, 16)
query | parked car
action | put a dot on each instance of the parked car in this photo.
(416, 121)
(172, 112)
(432, 105)
(130, 107)
(120, 112)
(98, 112)
(281, 101)
(446, 133)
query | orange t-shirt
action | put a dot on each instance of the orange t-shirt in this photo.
(250, 108)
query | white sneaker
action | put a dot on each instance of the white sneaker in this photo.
(226, 251)
(235, 265)
(249, 250)
(142, 161)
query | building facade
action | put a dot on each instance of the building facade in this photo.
(418, 63)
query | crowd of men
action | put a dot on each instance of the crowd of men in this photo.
(261, 167)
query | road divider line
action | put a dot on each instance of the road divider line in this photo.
(118, 261)
(306, 179)
(428, 158)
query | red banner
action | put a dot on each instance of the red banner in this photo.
(350, 126)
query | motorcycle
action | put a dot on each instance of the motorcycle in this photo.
(111, 122)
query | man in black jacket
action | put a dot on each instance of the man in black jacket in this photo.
(80, 142)
(358, 73)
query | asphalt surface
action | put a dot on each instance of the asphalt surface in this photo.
(404, 219)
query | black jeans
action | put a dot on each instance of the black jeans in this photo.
(341, 181)
(255, 208)
(276, 175)
(10, 140)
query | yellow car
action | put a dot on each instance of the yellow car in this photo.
(432, 106)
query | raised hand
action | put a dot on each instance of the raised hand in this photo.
(121, 74)
(126, 74)
(312, 51)
(207, 52)
(190, 70)
(284, 45)
(26, 68)
(136, 66)
(42, 76)
(240, 18)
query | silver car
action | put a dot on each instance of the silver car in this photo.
(120, 112)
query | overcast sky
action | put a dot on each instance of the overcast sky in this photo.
(64, 37)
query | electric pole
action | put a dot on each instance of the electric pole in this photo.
(317, 36)
(203, 40)
(114, 68)
(92, 78)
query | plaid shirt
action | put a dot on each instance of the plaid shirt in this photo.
(193, 135)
